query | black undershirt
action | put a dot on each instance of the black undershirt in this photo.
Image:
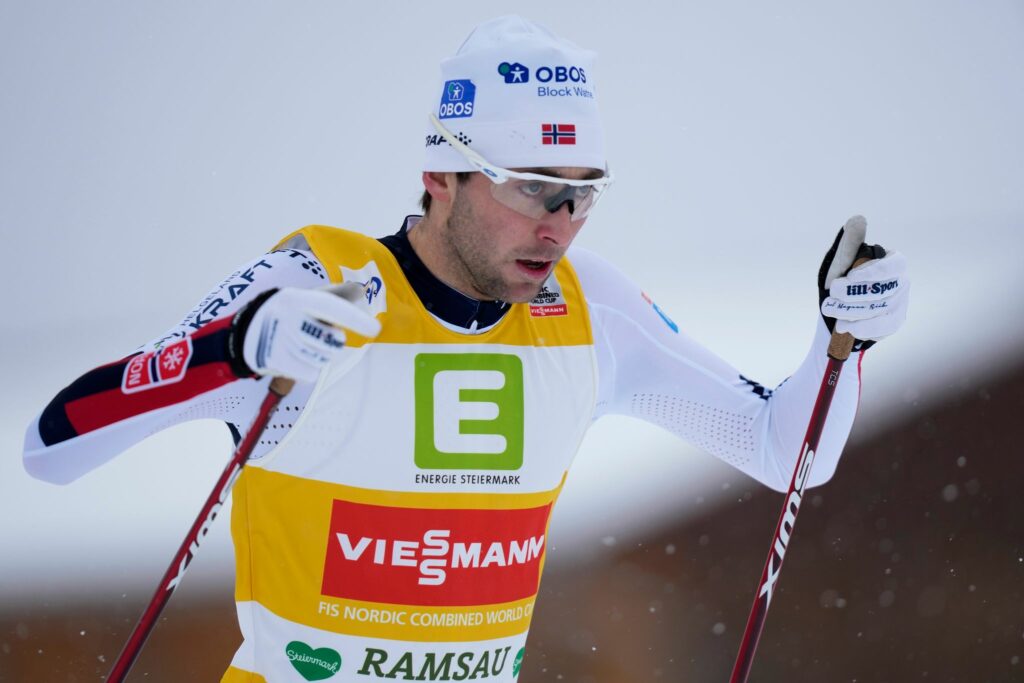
(450, 305)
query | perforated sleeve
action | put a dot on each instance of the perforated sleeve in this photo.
(182, 375)
(648, 368)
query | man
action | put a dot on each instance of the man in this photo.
(392, 521)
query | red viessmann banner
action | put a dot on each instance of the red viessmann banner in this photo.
(432, 557)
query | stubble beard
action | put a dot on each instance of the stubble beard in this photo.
(471, 250)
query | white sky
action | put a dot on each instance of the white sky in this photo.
(148, 148)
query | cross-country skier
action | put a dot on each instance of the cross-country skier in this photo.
(392, 522)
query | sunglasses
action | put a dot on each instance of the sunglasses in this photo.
(532, 194)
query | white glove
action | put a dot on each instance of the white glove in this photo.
(295, 332)
(870, 301)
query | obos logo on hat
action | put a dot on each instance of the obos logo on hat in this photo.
(524, 96)
(457, 99)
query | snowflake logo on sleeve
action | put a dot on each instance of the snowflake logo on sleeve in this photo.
(157, 368)
(172, 358)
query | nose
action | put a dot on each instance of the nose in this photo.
(558, 228)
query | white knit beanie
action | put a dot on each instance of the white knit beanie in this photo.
(521, 97)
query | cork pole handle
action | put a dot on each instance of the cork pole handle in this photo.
(841, 344)
(282, 385)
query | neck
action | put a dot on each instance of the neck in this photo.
(426, 240)
(444, 302)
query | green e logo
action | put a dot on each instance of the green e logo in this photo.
(469, 411)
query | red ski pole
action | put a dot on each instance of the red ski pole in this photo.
(279, 388)
(786, 520)
(838, 351)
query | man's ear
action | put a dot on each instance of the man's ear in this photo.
(439, 185)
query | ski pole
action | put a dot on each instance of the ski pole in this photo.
(839, 350)
(279, 388)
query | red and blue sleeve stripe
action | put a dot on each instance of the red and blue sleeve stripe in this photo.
(100, 397)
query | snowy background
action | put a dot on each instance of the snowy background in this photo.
(146, 149)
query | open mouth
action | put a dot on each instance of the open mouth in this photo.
(534, 269)
(535, 265)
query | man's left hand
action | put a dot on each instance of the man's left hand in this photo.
(870, 301)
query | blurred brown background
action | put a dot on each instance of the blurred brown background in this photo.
(909, 565)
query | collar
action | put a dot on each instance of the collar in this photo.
(444, 302)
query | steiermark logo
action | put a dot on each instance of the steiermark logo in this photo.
(313, 665)
(469, 411)
(518, 663)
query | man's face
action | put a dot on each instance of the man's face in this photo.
(497, 253)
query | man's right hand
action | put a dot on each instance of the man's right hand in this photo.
(295, 332)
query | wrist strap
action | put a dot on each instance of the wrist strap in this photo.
(236, 334)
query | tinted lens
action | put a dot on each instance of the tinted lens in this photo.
(535, 198)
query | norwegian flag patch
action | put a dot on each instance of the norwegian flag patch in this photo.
(558, 133)
(157, 368)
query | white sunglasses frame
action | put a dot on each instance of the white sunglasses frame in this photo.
(498, 175)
